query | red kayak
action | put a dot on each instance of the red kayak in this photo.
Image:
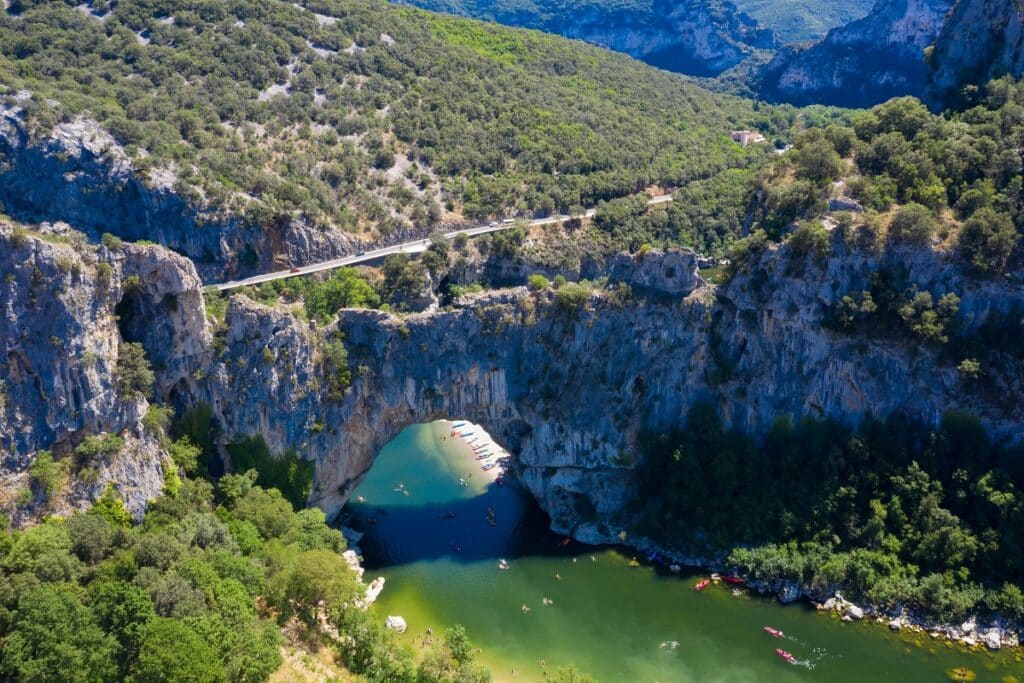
(702, 584)
(773, 632)
(785, 655)
(734, 580)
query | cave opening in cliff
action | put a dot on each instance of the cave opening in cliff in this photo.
(442, 491)
(131, 317)
(141, 320)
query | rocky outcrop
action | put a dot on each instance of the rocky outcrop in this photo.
(673, 272)
(981, 40)
(863, 63)
(60, 341)
(697, 37)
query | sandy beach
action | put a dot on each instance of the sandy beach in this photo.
(477, 446)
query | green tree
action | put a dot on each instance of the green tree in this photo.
(92, 537)
(45, 552)
(185, 455)
(49, 474)
(815, 158)
(337, 371)
(537, 283)
(913, 224)
(987, 240)
(123, 610)
(111, 506)
(171, 652)
(345, 288)
(134, 376)
(572, 297)
(318, 577)
(54, 637)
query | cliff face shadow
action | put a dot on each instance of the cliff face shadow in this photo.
(459, 530)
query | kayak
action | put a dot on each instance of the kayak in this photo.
(702, 584)
(773, 632)
(732, 579)
(785, 655)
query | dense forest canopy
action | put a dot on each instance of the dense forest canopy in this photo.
(201, 591)
(362, 115)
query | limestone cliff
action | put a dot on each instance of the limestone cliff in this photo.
(864, 62)
(60, 341)
(569, 392)
(981, 40)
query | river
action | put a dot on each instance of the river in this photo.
(429, 536)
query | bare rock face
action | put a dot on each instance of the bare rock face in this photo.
(863, 63)
(673, 272)
(60, 341)
(981, 40)
(567, 391)
(694, 37)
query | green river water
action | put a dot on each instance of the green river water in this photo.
(614, 621)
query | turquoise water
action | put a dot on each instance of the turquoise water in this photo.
(430, 538)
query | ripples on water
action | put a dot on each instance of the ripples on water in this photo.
(431, 539)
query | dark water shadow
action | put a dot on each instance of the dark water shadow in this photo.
(459, 530)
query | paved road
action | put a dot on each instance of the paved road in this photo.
(414, 247)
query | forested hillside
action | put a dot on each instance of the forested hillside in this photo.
(203, 590)
(360, 115)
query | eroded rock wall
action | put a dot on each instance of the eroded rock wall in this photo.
(981, 40)
(60, 341)
(863, 63)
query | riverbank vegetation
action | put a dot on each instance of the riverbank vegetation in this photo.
(202, 590)
(893, 513)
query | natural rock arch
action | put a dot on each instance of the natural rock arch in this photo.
(569, 390)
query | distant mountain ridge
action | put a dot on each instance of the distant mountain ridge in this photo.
(696, 37)
(796, 21)
(931, 49)
(863, 63)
